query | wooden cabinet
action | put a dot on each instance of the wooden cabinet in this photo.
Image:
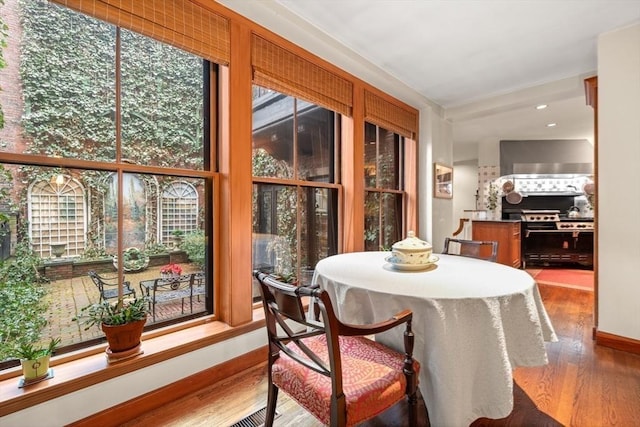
(506, 233)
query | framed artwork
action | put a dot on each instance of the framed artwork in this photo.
(442, 181)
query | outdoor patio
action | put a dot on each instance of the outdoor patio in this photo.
(66, 297)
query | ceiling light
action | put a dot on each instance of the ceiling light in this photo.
(541, 106)
(550, 125)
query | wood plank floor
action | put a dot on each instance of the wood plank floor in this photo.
(583, 385)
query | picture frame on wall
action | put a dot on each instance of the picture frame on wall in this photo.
(442, 181)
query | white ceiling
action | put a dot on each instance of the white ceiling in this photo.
(487, 63)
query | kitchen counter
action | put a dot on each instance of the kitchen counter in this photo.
(506, 232)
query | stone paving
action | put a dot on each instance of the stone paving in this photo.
(67, 297)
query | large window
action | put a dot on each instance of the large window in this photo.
(295, 196)
(125, 117)
(384, 193)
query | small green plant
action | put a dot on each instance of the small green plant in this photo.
(177, 233)
(113, 314)
(29, 351)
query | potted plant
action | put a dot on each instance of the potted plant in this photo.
(35, 361)
(122, 323)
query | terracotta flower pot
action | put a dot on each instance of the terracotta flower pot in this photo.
(122, 338)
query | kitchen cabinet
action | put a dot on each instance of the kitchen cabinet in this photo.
(506, 233)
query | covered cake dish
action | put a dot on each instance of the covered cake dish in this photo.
(411, 250)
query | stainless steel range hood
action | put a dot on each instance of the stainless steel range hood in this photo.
(546, 158)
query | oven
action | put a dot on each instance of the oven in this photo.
(551, 239)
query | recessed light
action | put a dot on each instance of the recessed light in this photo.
(550, 125)
(541, 106)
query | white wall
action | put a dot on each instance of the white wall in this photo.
(618, 178)
(436, 142)
(465, 184)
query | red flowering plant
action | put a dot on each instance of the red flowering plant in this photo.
(172, 269)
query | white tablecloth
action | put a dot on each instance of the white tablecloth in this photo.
(474, 321)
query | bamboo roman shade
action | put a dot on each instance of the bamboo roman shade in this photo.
(179, 23)
(276, 68)
(390, 116)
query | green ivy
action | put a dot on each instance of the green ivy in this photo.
(68, 76)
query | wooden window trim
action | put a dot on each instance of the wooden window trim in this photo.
(88, 367)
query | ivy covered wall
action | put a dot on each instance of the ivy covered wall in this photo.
(68, 74)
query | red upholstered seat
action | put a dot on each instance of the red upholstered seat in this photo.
(330, 368)
(372, 376)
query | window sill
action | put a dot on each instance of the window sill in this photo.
(87, 367)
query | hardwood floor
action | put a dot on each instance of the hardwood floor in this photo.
(583, 385)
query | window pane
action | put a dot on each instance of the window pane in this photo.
(388, 160)
(315, 131)
(318, 229)
(274, 141)
(382, 158)
(383, 220)
(382, 171)
(370, 155)
(67, 71)
(68, 228)
(273, 135)
(372, 221)
(162, 104)
(275, 214)
(281, 220)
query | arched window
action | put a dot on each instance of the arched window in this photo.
(57, 217)
(179, 209)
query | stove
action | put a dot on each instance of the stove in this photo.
(550, 238)
(574, 224)
(540, 215)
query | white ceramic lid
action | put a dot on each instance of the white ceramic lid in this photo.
(411, 243)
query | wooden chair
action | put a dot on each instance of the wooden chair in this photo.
(108, 286)
(485, 249)
(307, 359)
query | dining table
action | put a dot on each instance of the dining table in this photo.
(474, 321)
